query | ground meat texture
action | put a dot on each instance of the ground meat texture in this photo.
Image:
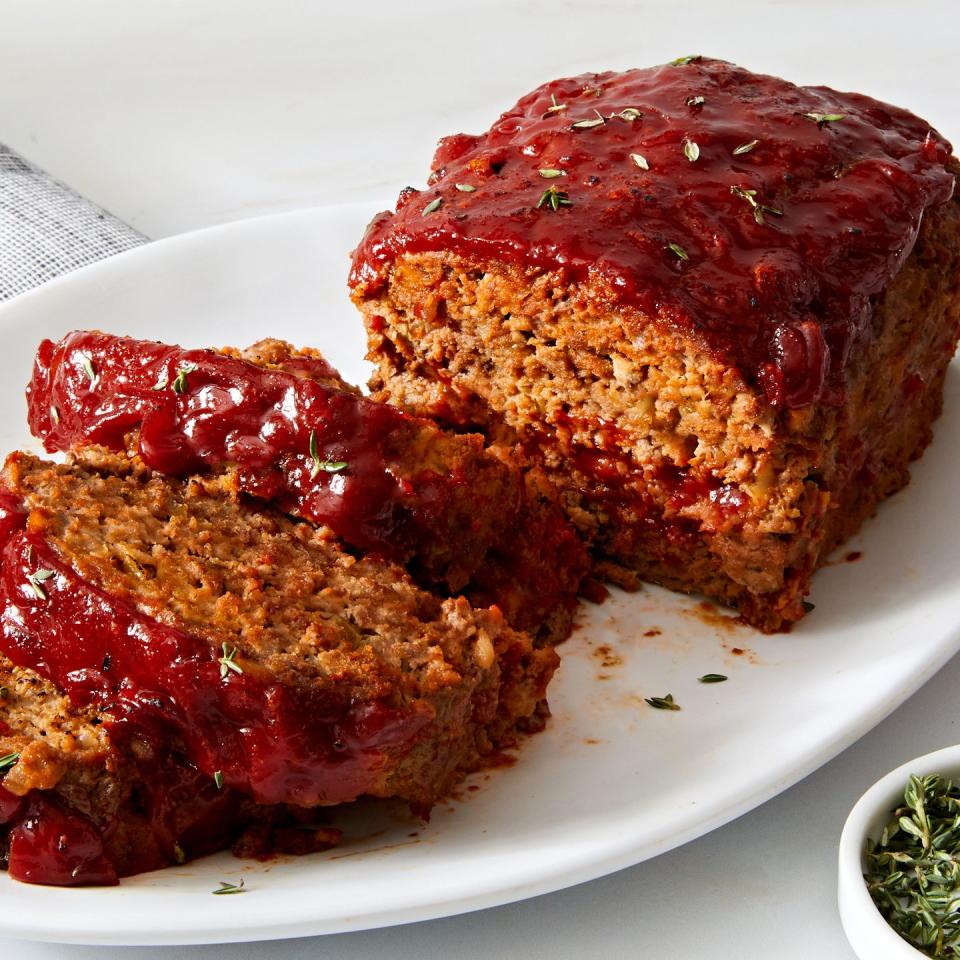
(721, 394)
(292, 669)
(285, 428)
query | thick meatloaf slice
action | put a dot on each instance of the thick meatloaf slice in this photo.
(288, 430)
(285, 667)
(84, 800)
(716, 307)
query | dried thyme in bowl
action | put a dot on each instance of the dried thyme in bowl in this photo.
(913, 870)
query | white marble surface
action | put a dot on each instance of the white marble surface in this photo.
(177, 115)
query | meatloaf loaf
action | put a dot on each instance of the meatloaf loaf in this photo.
(285, 428)
(717, 307)
(277, 663)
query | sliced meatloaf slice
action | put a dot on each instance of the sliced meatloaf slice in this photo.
(84, 800)
(286, 429)
(717, 308)
(282, 666)
(75, 809)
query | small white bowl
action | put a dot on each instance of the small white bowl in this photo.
(867, 931)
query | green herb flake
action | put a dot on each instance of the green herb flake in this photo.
(629, 114)
(913, 871)
(554, 199)
(759, 209)
(696, 101)
(8, 761)
(434, 204)
(35, 579)
(465, 187)
(676, 249)
(225, 889)
(178, 855)
(822, 119)
(691, 150)
(548, 173)
(663, 703)
(163, 381)
(712, 678)
(180, 381)
(87, 365)
(228, 662)
(640, 160)
(327, 466)
(685, 61)
(744, 148)
(218, 779)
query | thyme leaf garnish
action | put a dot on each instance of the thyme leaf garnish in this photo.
(678, 250)
(329, 466)
(180, 381)
(465, 187)
(629, 114)
(745, 147)
(759, 209)
(35, 579)
(691, 150)
(225, 889)
(87, 364)
(218, 779)
(228, 662)
(588, 123)
(663, 703)
(8, 761)
(556, 107)
(549, 173)
(683, 61)
(163, 381)
(554, 199)
(913, 870)
(640, 160)
(712, 678)
(822, 119)
(434, 204)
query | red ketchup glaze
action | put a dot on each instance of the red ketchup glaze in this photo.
(226, 410)
(57, 847)
(276, 742)
(10, 806)
(783, 299)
